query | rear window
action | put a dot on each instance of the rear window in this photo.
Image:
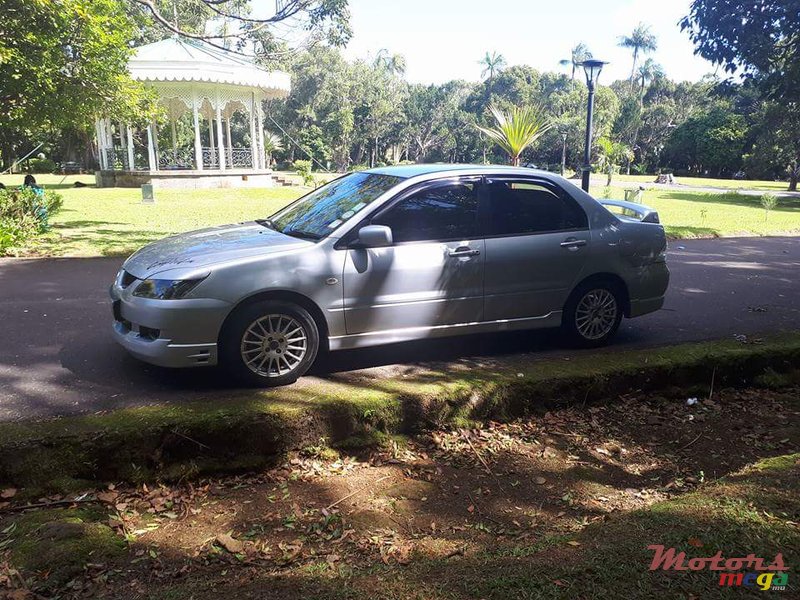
(523, 207)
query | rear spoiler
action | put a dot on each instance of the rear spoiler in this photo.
(643, 213)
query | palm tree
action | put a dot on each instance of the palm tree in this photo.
(517, 129)
(579, 53)
(272, 143)
(610, 154)
(640, 41)
(492, 64)
(649, 71)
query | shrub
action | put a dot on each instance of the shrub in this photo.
(24, 213)
(303, 168)
(359, 167)
(769, 201)
(41, 165)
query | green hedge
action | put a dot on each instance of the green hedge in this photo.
(24, 214)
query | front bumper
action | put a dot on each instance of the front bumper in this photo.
(168, 333)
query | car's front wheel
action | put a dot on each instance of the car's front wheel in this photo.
(593, 313)
(269, 343)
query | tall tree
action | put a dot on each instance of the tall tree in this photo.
(395, 64)
(492, 64)
(293, 24)
(759, 39)
(647, 72)
(580, 52)
(62, 63)
(640, 41)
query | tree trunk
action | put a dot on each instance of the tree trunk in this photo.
(794, 175)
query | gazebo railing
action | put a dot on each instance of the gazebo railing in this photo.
(180, 158)
(235, 158)
(210, 158)
(117, 159)
(239, 158)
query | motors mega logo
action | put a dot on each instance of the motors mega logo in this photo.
(764, 576)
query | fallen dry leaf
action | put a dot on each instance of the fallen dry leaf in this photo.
(8, 493)
(573, 543)
(229, 543)
(107, 497)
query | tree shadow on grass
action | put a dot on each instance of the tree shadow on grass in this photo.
(785, 203)
(76, 236)
(686, 231)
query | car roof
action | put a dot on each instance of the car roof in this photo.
(419, 170)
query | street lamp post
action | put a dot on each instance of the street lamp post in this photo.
(563, 153)
(592, 69)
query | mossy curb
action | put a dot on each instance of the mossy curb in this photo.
(176, 441)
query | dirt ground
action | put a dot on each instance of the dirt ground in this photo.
(331, 524)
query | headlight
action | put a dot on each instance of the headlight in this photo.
(165, 289)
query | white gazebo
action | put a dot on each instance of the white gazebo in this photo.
(211, 85)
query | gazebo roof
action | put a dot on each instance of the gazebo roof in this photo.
(177, 60)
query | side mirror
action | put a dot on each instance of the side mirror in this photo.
(375, 236)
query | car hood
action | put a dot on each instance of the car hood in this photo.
(206, 247)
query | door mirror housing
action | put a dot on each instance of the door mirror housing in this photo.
(375, 236)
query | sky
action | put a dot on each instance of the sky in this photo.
(445, 39)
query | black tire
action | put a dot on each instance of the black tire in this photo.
(238, 336)
(578, 329)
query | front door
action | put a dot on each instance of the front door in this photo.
(432, 275)
(536, 247)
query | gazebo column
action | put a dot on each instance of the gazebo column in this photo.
(253, 140)
(220, 140)
(230, 141)
(156, 150)
(152, 161)
(98, 132)
(129, 139)
(198, 145)
(174, 140)
(260, 131)
(211, 141)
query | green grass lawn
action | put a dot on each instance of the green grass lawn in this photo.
(690, 214)
(732, 184)
(114, 222)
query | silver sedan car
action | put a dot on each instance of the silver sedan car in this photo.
(388, 255)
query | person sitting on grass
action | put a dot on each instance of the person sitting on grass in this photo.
(30, 181)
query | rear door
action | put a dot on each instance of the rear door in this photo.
(432, 275)
(537, 244)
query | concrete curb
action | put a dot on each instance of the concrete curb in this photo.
(170, 442)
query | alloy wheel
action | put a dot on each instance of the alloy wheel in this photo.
(596, 314)
(274, 345)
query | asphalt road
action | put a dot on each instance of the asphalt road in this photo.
(57, 356)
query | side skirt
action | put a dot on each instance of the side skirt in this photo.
(393, 336)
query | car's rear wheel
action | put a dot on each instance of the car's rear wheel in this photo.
(269, 343)
(593, 313)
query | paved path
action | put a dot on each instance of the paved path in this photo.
(57, 356)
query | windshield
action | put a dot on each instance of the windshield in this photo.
(316, 215)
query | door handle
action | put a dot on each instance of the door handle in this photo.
(573, 243)
(464, 251)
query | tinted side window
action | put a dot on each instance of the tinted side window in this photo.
(443, 212)
(519, 207)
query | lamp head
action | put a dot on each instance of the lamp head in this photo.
(592, 68)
